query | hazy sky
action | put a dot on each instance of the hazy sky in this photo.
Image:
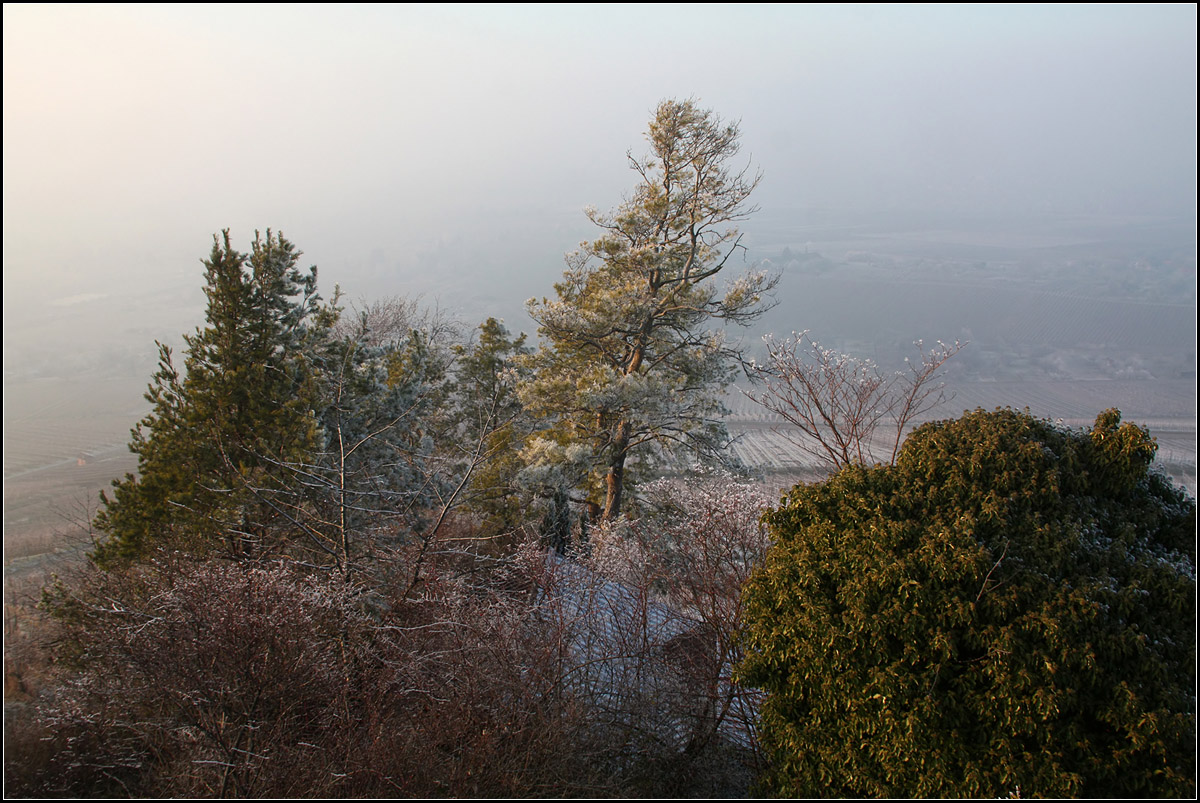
(406, 147)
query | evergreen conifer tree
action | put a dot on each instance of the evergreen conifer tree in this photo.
(630, 361)
(213, 449)
(490, 413)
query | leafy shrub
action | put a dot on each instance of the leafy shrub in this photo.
(1010, 608)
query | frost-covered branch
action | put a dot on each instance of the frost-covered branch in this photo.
(837, 402)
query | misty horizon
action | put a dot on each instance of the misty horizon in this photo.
(964, 172)
(412, 150)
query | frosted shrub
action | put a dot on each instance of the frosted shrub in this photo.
(654, 611)
(216, 679)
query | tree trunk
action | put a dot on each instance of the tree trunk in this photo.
(615, 481)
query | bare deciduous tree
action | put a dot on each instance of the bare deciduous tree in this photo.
(838, 401)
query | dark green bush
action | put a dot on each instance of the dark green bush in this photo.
(1008, 609)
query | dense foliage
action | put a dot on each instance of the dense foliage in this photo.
(1008, 609)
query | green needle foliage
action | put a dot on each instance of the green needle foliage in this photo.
(489, 414)
(632, 364)
(1008, 609)
(214, 448)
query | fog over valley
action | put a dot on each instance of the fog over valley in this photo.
(1020, 179)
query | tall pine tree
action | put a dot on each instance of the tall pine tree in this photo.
(215, 447)
(632, 363)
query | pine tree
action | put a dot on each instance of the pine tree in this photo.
(629, 364)
(489, 412)
(212, 451)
